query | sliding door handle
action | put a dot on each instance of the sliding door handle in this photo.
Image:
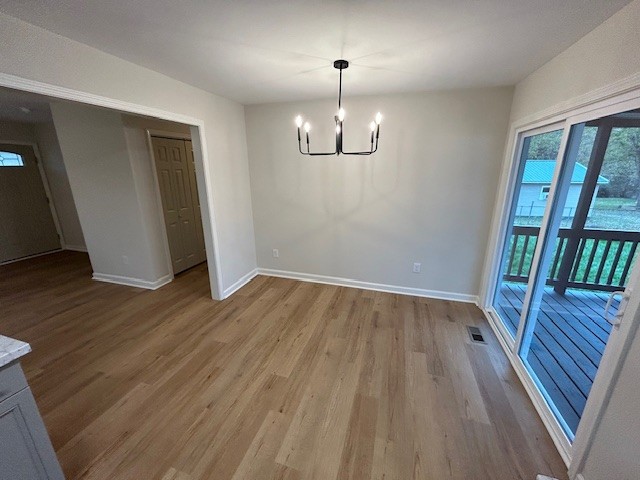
(617, 317)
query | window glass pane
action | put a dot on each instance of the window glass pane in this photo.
(10, 159)
(616, 205)
(535, 174)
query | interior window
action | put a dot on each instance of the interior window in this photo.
(10, 159)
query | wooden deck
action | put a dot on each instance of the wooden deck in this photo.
(569, 339)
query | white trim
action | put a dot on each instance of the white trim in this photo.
(240, 283)
(76, 248)
(544, 411)
(132, 282)
(201, 158)
(33, 86)
(570, 107)
(166, 134)
(379, 287)
(35, 255)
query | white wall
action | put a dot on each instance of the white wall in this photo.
(56, 172)
(611, 52)
(608, 54)
(426, 196)
(110, 199)
(44, 136)
(35, 54)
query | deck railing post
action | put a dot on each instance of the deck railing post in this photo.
(584, 203)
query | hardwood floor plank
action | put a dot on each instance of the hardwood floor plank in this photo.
(283, 381)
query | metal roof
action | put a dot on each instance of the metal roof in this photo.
(541, 172)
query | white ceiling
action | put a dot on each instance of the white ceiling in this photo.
(276, 50)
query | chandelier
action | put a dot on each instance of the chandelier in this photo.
(339, 119)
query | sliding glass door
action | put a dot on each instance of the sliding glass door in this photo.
(569, 248)
(534, 174)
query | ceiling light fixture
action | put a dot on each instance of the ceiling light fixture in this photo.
(339, 119)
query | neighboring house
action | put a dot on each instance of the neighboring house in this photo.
(536, 183)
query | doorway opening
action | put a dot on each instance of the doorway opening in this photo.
(100, 167)
(28, 220)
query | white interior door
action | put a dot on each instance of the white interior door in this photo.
(176, 178)
(26, 222)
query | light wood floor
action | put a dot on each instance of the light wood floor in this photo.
(285, 380)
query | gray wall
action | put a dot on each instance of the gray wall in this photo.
(111, 205)
(426, 196)
(44, 136)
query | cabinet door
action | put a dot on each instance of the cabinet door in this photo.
(25, 450)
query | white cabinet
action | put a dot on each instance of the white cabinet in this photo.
(26, 452)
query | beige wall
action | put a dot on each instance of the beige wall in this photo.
(36, 54)
(44, 136)
(426, 196)
(608, 54)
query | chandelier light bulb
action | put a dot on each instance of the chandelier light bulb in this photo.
(307, 127)
(341, 114)
(378, 118)
(298, 121)
(372, 126)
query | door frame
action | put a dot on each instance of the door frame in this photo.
(200, 151)
(47, 191)
(618, 97)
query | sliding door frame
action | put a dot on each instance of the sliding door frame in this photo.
(616, 98)
(507, 218)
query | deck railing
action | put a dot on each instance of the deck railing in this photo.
(602, 261)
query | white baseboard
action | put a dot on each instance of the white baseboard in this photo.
(31, 256)
(76, 248)
(240, 283)
(379, 287)
(132, 282)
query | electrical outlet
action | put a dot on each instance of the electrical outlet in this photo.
(417, 267)
(276, 253)
(125, 259)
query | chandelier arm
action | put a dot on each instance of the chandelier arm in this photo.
(365, 152)
(313, 153)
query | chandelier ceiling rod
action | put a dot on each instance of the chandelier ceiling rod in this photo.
(339, 119)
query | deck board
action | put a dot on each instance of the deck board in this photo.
(567, 345)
